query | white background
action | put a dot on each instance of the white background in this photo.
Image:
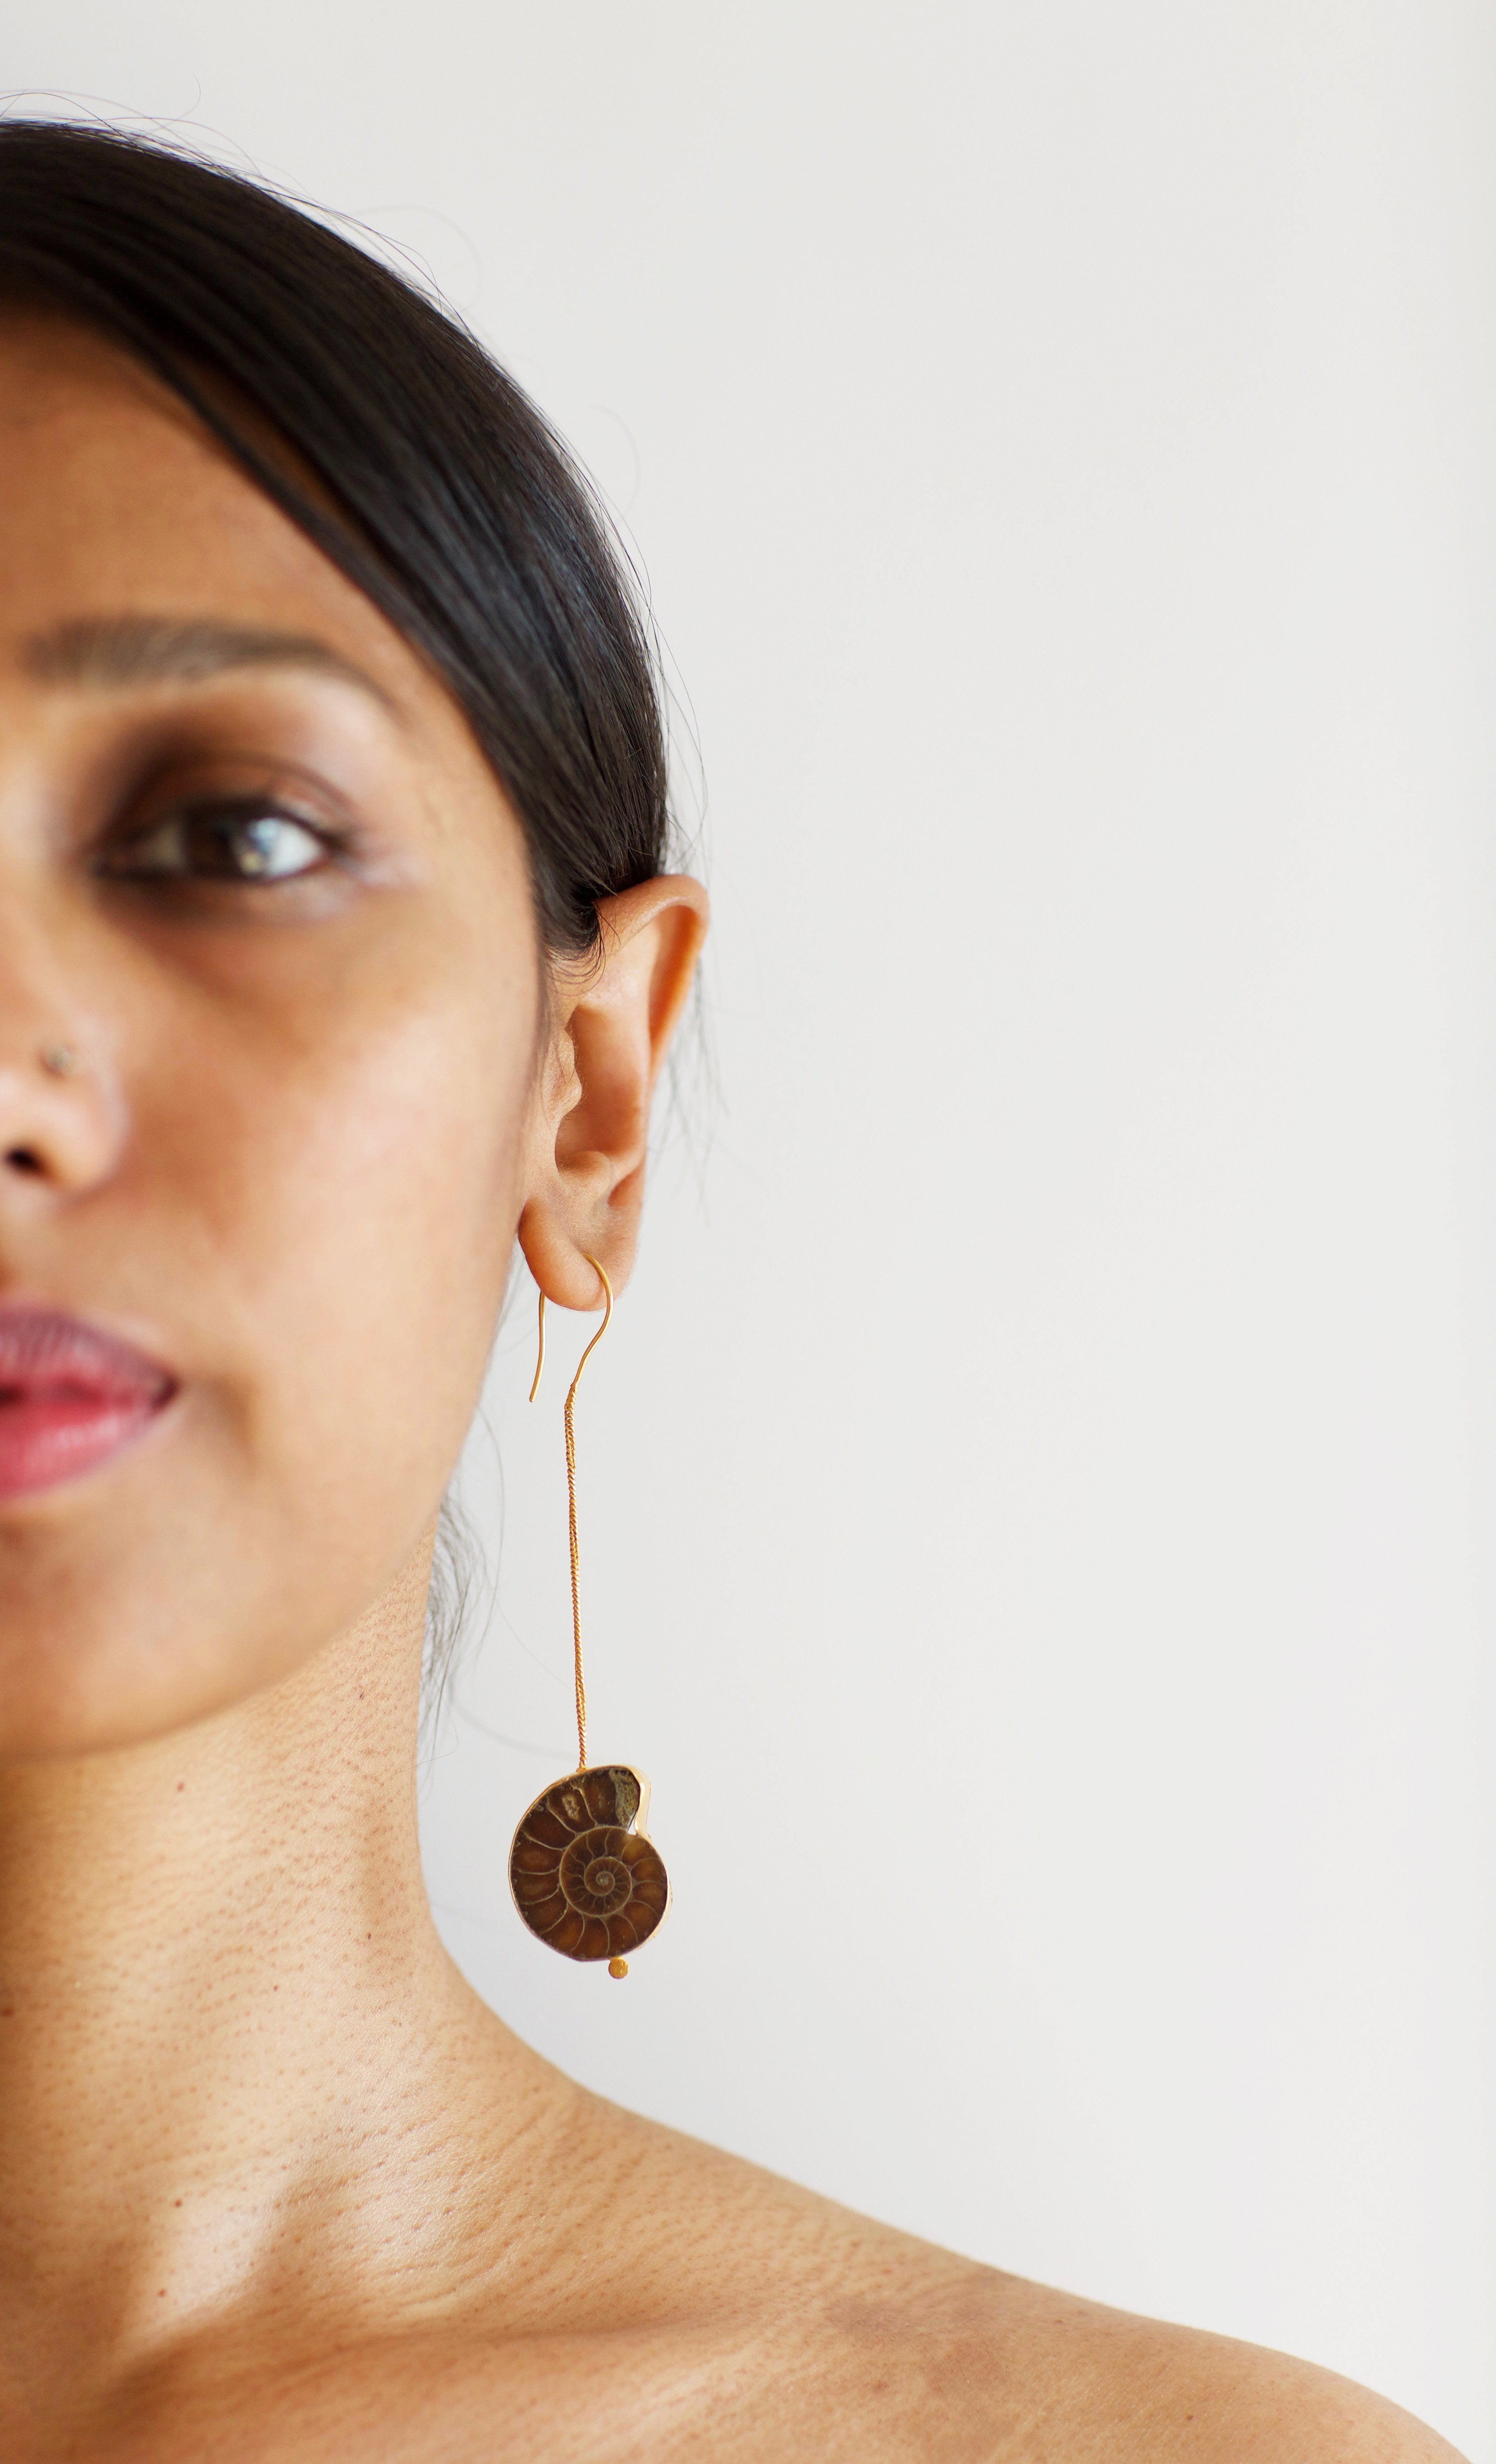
(1036, 1489)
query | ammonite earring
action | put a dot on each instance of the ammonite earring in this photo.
(585, 1874)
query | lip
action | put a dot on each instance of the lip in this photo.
(71, 1396)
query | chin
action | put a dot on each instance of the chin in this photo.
(97, 1657)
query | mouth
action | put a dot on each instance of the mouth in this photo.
(70, 1397)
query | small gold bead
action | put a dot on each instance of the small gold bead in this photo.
(618, 1967)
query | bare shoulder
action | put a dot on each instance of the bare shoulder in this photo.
(840, 2337)
(1032, 2373)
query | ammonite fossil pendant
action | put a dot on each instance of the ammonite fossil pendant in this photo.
(585, 1874)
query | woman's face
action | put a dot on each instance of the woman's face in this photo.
(257, 878)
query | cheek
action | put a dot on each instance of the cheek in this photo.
(320, 1231)
(358, 1219)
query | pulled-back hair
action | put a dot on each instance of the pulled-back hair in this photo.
(441, 490)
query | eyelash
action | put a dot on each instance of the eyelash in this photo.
(214, 824)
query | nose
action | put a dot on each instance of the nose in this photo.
(61, 1112)
(59, 1123)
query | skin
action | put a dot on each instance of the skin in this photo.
(273, 2182)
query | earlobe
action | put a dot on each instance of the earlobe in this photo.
(614, 1019)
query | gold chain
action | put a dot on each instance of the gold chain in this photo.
(571, 1498)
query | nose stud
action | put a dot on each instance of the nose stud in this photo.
(59, 1060)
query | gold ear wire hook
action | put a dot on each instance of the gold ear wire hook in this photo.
(571, 1493)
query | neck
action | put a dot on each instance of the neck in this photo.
(221, 1994)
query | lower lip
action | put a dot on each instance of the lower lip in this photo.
(48, 1436)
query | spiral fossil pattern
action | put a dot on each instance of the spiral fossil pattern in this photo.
(582, 1878)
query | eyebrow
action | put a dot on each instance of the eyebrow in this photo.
(112, 651)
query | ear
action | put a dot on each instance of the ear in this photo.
(612, 1019)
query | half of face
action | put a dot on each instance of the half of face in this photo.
(259, 887)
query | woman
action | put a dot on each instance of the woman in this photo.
(339, 952)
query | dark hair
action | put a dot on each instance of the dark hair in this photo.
(448, 499)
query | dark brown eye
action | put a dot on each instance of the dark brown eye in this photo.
(243, 843)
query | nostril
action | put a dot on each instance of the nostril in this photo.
(23, 1160)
